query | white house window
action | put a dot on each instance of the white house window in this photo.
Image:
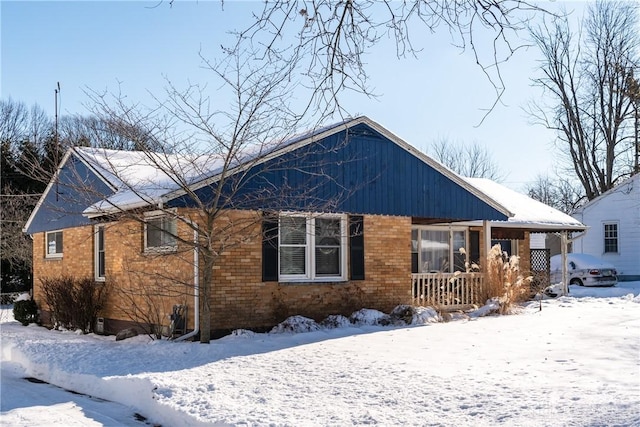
(159, 233)
(312, 248)
(53, 242)
(437, 249)
(99, 254)
(611, 238)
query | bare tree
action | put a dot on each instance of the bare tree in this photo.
(473, 160)
(558, 193)
(91, 131)
(23, 131)
(206, 151)
(15, 246)
(331, 39)
(585, 74)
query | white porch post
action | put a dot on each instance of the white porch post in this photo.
(487, 238)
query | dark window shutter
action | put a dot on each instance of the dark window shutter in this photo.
(269, 249)
(474, 247)
(356, 248)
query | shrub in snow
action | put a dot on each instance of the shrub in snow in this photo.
(368, 316)
(335, 321)
(25, 311)
(402, 314)
(74, 302)
(423, 315)
(296, 324)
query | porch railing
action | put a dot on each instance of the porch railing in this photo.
(447, 290)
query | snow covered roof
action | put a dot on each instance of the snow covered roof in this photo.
(527, 212)
(142, 178)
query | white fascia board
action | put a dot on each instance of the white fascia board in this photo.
(541, 226)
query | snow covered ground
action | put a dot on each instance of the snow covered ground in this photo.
(575, 363)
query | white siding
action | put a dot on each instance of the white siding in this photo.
(621, 206)
(537, 241)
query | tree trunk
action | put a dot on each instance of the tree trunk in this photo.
(205, 296)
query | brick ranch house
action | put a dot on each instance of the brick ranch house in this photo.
(344, 217)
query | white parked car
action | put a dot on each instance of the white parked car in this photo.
(584, 270)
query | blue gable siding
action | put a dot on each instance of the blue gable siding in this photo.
(77, 187)
(356, 171)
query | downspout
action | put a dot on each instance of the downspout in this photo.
(196, 291)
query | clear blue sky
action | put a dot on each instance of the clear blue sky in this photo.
(99, 45)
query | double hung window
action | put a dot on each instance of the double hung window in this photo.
(53, 242)
(312, 248)
(160, 233)
(610, 238)
(99, 254)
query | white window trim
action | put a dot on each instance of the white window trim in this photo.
(604, 238)
(452, 250)
(96, 250)
(310, 261)
(156, 215)
(46, 245)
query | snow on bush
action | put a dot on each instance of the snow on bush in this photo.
(243, 333)
(400, 315)
(368, 316)
(335, 321)
(296, 324)
(492, 306)
(23, 297)
(424, 315)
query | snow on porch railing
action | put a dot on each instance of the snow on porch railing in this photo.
(447, 290)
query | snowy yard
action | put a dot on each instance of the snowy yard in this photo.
(575, 363)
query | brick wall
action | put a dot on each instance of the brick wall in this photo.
(77, 259)
(239, 298)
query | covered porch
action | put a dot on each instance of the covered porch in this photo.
(448, 257)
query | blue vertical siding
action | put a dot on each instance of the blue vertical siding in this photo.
(77, 187)
(355, 171)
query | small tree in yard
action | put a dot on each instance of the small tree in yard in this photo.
(504, 281)
(206, 152)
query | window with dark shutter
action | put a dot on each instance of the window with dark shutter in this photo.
(356, 248)
(269, 249)
(474, 247)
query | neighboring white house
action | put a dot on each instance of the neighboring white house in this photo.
(614, 233)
